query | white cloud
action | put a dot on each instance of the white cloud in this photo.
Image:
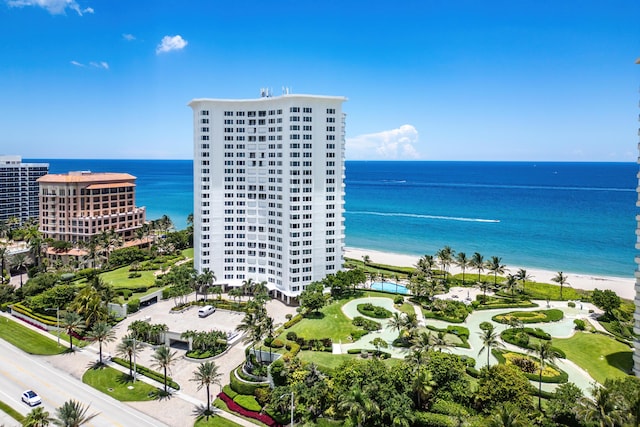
(169, 43)
(54, 7)
(101, 65)
(394, 144)
(128, 37)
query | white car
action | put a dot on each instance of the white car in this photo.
(31, 398)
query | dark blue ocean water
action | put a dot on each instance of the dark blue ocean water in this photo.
(575, 217)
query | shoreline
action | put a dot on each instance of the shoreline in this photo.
(623, 286)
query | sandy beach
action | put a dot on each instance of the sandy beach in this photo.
(623, 286)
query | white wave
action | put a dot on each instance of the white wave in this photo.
(440, 217)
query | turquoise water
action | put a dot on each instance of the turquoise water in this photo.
(574, 217)
(389, 287)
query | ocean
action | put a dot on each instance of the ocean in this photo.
(572, 217)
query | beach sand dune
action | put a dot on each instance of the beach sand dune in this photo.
(623, 286)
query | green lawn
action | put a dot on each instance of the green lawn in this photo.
(119, 278)
(330, 361)
(332, 323)
(601, 356)
(11, 412)
(214, 421)
(27, 340)
(119, 385)
(535, 290)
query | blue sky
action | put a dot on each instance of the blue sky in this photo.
(432, 80)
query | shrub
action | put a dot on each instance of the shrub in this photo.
(292, 336)
(248, 402)
(358, 333)
(446, 407)
(143, 370)
(580, 324)
(288, 316)
(525, 364)
(367, 324)
(229, 391)
(276, 343)
(133, 305)
(486, 326)
(429, 419)
(398, 300)
(293, 321)
(374, 311)
(242, 387)
(571, 304)
(263, 396)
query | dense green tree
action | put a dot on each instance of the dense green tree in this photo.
(312, 299)
(508, 415)
(606, 300)
(628, 390)
(500, 384)
(37, 417)
(88, 303)
(562, 407)
(524, 277)
(604, 409)
(477, 262)
(357, 406)
(72, 323)
(72, 414)
(422, 385)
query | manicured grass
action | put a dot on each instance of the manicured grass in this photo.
(406, 308)
(332, 323)
(187, 253)
(218, 403)
(328, 361)
(117, 385)
(214, 421)
(27, 340)
(601, 356)
(535, 290)
(119, 278)
(11, 412)
(552, 315)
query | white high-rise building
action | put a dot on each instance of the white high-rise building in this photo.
(269, 190)
(19, 189)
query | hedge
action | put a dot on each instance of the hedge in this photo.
(293, 321)
(367, 324)
(381, 354)
(43, 318)
(552, 315)
(233, 406)
(460, 331)
(446, 407)
(431, 315)
(513, 305)
(143, 370)
(247, 402)
(562, 377)
(509, 336)
(242, 387)
(374, 311)
(229, 391)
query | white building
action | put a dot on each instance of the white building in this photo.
(19, 189)
(269, 190)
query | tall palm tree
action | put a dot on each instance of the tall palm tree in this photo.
(163, 358)
(605, 409)
(3, 258)
(445, 256)
(72, 323)
(34, 239)
(426, 264)
(396, 321)
(463, 262)
(38, 417)
(422, 342)
(511, 284)
(205, 375)
(507, 415)
(560, 279)
(88, 303)
(358, 406)
(490, 340)
(422, 385)
(128, 348)
(72, 414)
(477, 262)
(101, 332)
(523, 276)
(546, 355)
(495, 266)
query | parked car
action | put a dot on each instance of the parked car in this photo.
(206, 310)
(31, 398)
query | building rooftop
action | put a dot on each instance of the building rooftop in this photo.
(86, 177)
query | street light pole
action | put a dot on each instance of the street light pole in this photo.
(291, 393)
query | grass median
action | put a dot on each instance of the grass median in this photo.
(30, 341)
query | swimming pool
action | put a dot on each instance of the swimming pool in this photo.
(389, 287)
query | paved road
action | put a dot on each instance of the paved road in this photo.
(20, 371)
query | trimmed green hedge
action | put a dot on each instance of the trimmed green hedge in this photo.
(229, 391)
(143, 370)
(22, 309)
(242, 387)
(523, 304)
(374, 311)
(381, 354)
(367, 324)
(511, 336)
(247, 402)
(563, 377)
(552, 315)
(293, 321)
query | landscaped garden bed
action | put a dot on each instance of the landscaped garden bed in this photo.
(538, 316)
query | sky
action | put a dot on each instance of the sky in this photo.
(540, 80)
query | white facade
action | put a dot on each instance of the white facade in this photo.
(269, 190)
(19, 189)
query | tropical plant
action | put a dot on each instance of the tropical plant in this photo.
(495, 266)
(163, 358)
(477, 262)
(19, 263)
(605, 409)
(205, 375)
(445, 255)
(422, 385)
(38, 417)
(546, 354)
(463, 262)
(511, 283)
(490, 340)
(508, 415)
(128, 348)
(524, 277)
(560, 279)
(72, 414)
(72, 323)
(357, 406)
(88, 303)
(101, 332)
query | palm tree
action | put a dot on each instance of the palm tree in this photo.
(163, 358)
(207, 374)
(445, 255)
(72, 414)
(88, 303)
(524, 277)
(34, 238)
(72, 323)
(426, 264)
(606, 409)
(3, 258)
(477, 262)
(366, 259)
(545, 354)
(508, 415)
(358, 406)
(490, 340)
(128, 348)
(560, 279)
(422, 342)
(38, 417)
(101, 332)
(422, 385)
(396, 321)
(494, 266)
(463, 262)
(511, 284)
